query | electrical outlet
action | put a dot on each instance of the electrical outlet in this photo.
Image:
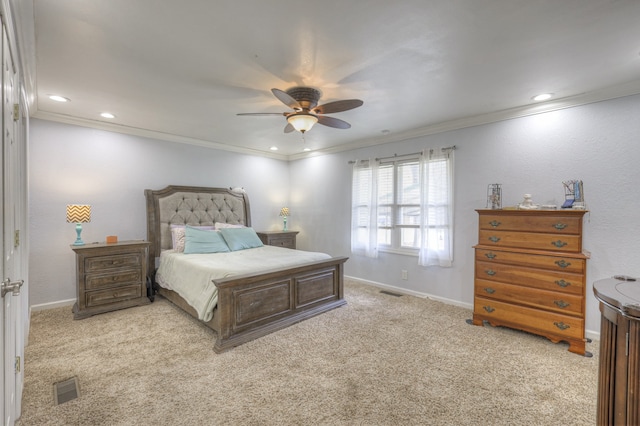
(405, 275)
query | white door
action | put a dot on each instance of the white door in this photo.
(12, 191)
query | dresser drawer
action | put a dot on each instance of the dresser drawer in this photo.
(530, 318)
(110, 296)
(549, 300)
(556, 263)
(532, 223)
(531, 240)
(530, 277)
(100, 281)
(100, 263)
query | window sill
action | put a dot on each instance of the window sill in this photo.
(405, 252)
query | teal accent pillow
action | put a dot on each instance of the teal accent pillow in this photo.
(241, 238)
(203, 241)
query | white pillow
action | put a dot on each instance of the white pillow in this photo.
(222, 225)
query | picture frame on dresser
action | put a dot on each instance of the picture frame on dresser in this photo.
(530, 273)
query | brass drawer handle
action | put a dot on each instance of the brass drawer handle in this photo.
(494, 223)
(491, 255)
(489, 309)
(561, 325)
(560, 226)
(563, 283)
(562, 263)
(559, 243)
(494, 239)
(490, 272)
(489, 290)
(561, 303)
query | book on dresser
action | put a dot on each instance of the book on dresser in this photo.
(530, 273)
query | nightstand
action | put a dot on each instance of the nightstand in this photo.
(279, 238)
(110, 277)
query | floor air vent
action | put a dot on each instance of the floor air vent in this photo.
(65, 390)
(390, 293)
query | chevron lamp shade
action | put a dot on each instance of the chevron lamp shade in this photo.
(78, 213)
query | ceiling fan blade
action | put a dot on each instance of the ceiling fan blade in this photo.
(333, 122)
(262, 113)
(288, 128)
(338, 106)
(286, 99)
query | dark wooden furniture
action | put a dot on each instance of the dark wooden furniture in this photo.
(249, 306)
(110, 277)
(285, 239)
(530, 273)
(619, 369)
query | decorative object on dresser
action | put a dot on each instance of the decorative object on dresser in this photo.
(279, 238)
(619, 369)
(284, 213)
(110, 277)
(245, 305)
(494, 196)
(78, 214)
(530, 273)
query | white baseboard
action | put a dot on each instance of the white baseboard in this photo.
(590, 334)
(52, 305)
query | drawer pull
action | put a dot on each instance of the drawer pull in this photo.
(561, 303)
(494, 223)
(490, 272)
(560, 226)
(563, 283)
(491, 255)
(494, 239)
(559, 243)
(561, 325)
(489, 309)
(489, 290)
(562, 263)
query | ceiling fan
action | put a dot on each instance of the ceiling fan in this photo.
(307, 112)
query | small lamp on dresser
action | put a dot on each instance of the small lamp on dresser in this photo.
(78, 214)
(284, 213)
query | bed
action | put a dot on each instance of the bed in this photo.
(251, 304)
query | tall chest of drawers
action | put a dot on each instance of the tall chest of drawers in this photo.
(110, 277)
(530, 273)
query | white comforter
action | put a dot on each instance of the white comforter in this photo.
(192, 275)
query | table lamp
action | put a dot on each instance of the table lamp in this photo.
(284, 213)
(78, 214)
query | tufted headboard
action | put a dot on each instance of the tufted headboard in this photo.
(190, 205)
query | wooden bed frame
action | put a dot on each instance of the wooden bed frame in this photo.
(249, 306)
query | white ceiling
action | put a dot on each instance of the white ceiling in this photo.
(182, 70)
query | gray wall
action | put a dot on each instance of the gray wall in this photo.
(598, 143)
(110, 171)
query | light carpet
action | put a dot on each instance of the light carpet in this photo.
(380, 360)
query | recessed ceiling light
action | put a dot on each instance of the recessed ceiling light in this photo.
(307, 149)
(542, 97)
(107, 115)
(59, 98)
(274, 148)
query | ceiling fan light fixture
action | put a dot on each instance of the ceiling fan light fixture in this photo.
(302, 122)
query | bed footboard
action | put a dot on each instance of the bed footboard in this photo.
(251, 306)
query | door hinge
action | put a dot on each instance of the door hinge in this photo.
(18, 364)
(16, 112)
(16, 238)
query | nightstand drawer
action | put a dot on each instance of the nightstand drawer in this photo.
(287, 242)
(101, 263)
(107, 297)
(101, 281)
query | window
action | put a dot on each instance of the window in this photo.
(405, 205)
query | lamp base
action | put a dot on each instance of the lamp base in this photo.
(79, 241)
(284, 228)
